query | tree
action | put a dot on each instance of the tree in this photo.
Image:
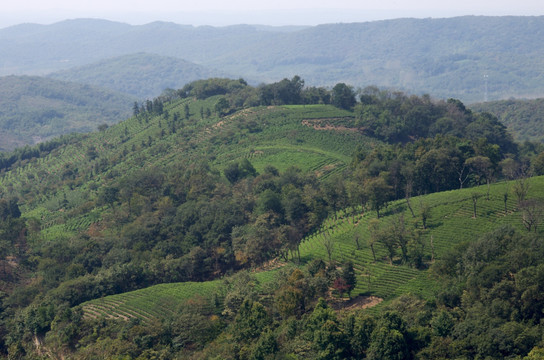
(474, 196)
(335, 194)
(239, 170)
(289, 301)
(374, 229)
(378, 193)
(343, 96)
(328, 244)
(538, 164)
(521, 188)
(232, 172)
(425, 214)
(348, 274)
(9, 209)
(482, 168)
(135, 109)
(187, 111)
(388, 339)
(251, 320)
(340, 286)
(108, 195)
(532, 213)
(399, 232)
(408, 174)
(463, 174)
(221, 106)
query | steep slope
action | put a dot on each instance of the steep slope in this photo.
(349, 237)
(34, 109)
(142, 75)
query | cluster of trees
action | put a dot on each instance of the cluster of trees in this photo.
(523, 117)
(17, 156)
(184, 223)
(397, 117)
(189, 221)
(489, 306)
(237, 94)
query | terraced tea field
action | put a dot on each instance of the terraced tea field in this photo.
(451, 223)
(158, 302)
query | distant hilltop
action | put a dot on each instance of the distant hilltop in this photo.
(451, 57)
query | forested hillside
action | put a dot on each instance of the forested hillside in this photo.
(34, 109)
(524, 118)
(224, 220)
(444, 57)
(142, 75)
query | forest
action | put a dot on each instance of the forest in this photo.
(260, 213)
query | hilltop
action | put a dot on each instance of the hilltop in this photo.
(142, 75)
(34, 109)
(443, 57)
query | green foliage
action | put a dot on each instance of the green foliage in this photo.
(150, 209)
(521, 117)
(343, 96)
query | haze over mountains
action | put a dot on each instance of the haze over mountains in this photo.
(34, 109)
(452, 57)
(142, 75)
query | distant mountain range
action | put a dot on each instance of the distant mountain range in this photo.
(470, 58)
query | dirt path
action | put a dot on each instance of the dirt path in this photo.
(323, 124)
(358, 302)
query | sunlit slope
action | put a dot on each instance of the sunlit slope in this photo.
(60, 189)
(451, 222)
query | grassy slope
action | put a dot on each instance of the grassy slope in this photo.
(451, 223)
(282, 141)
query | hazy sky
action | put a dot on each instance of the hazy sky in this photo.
(274, 12)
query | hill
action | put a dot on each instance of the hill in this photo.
(34, 109)
(443, 57)
(451, 231)
(242, 204)
(142, 75)
(524, 118)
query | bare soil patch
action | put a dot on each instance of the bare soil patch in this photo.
(356, 303)
(323, 124)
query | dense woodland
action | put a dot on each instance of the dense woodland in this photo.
(522, 117)
(174, 201)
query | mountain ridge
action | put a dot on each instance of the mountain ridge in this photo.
(444, 57)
